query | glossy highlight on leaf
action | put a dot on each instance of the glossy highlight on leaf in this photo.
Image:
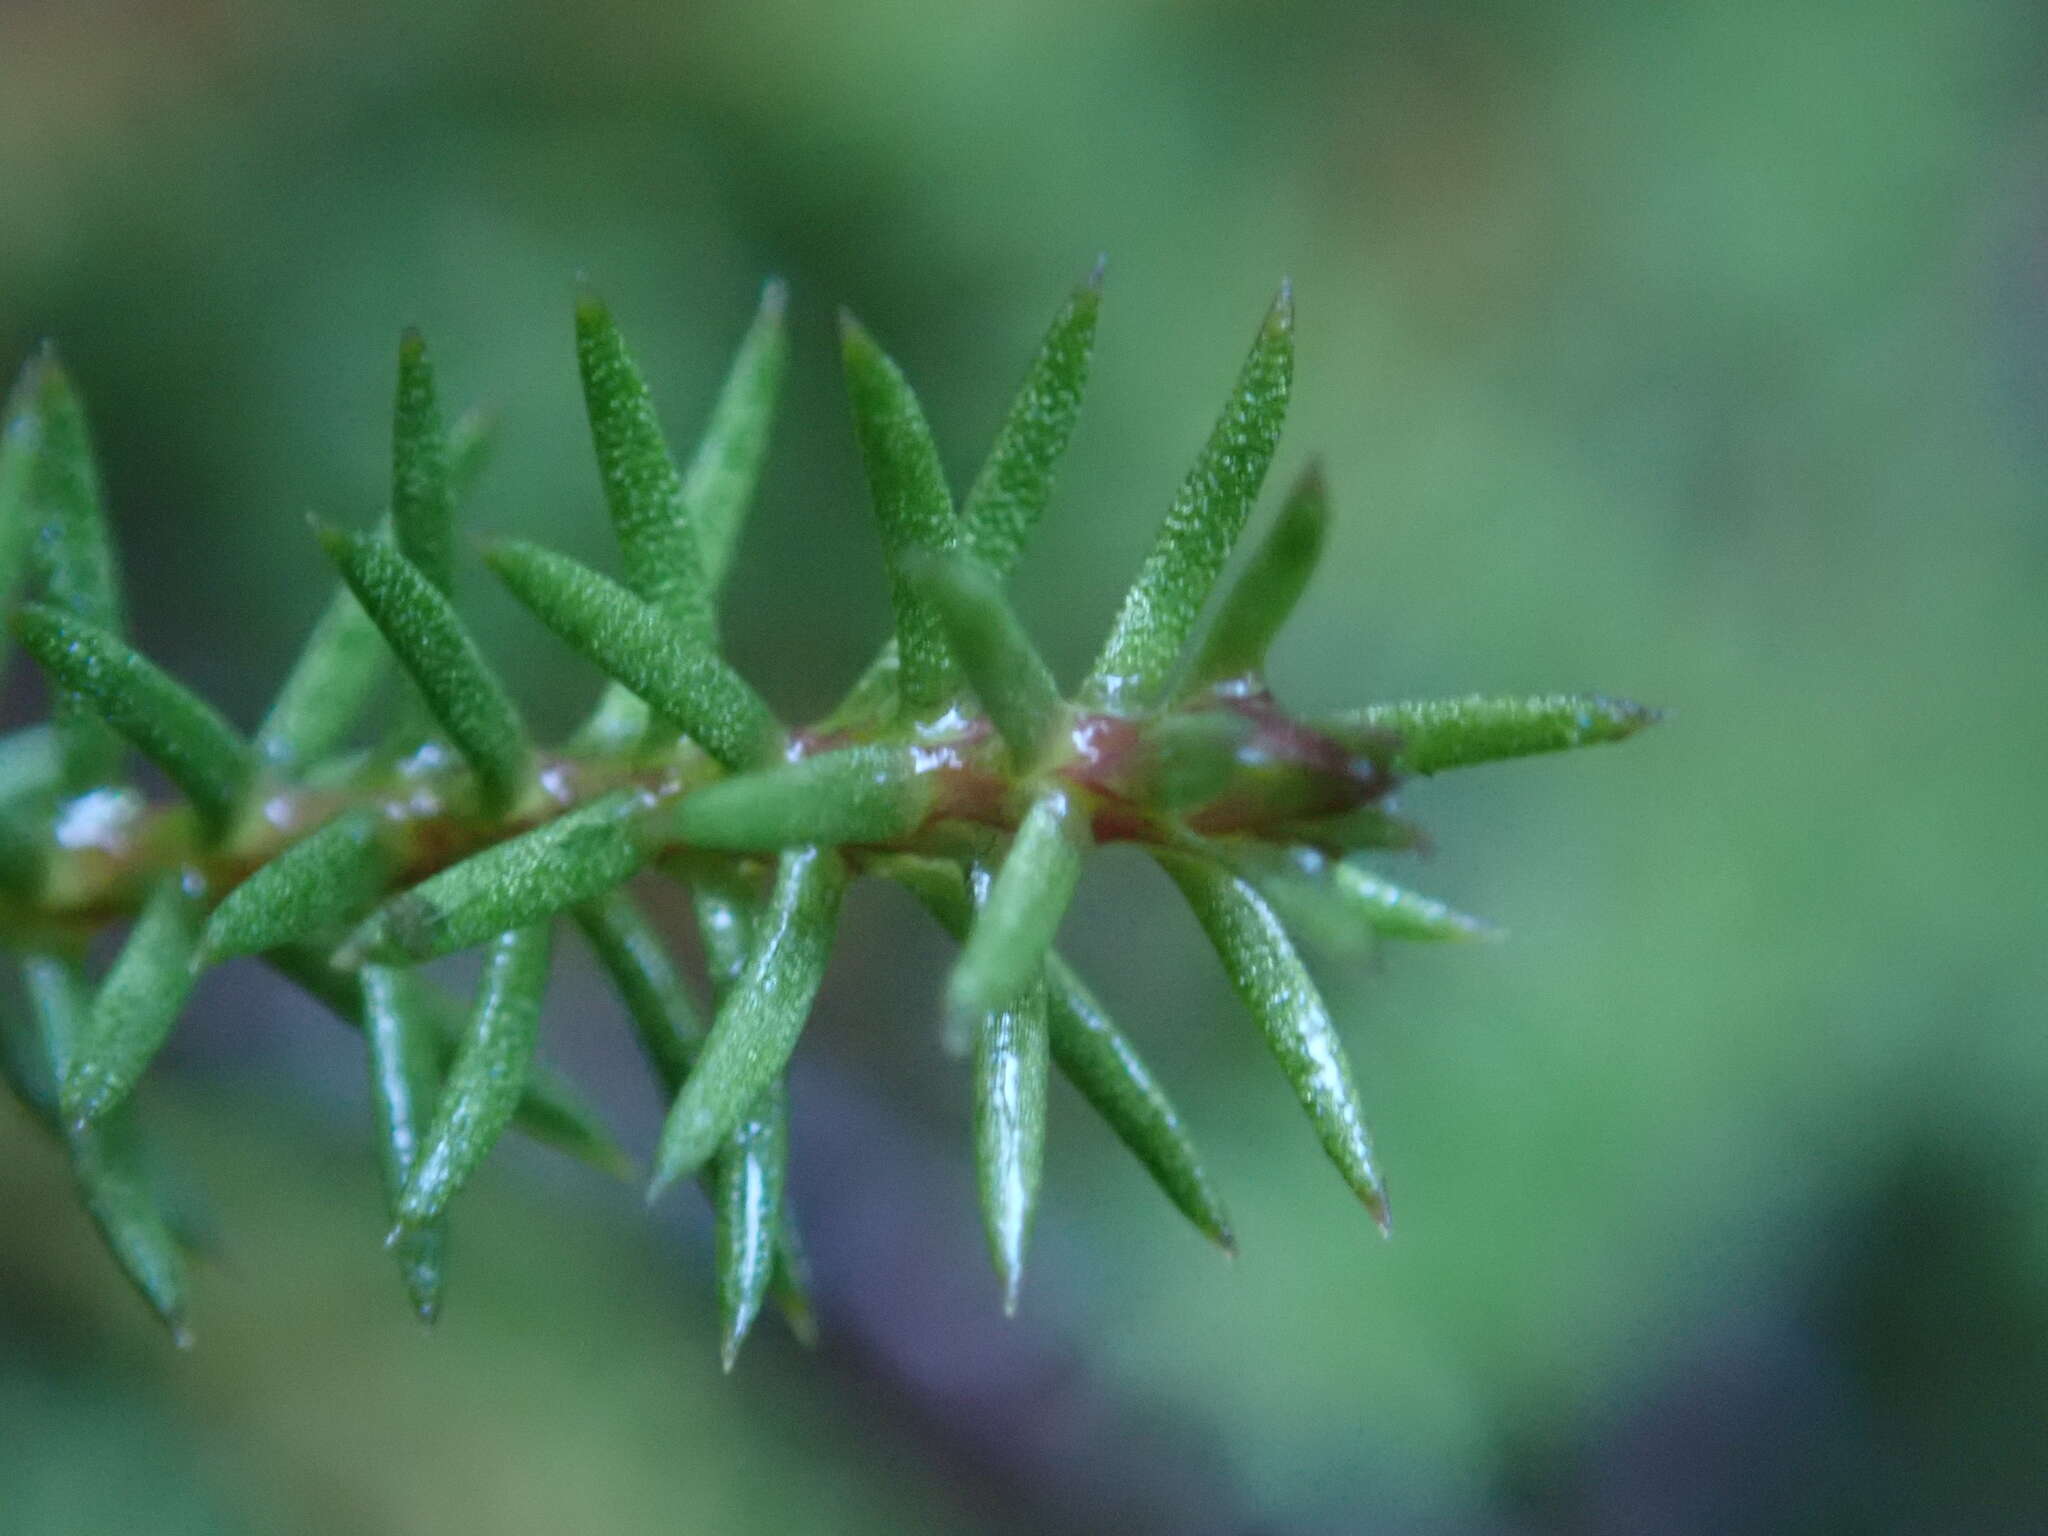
(1010, 1054)
(405, 1081)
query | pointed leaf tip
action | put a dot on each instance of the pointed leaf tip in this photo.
(1159, 612)
(1276, 989)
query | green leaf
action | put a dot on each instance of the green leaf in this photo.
(1399, 913)
(487, 1077)
(1276, 988)
(913, 508)
(165, 721)
(759, 1021)
(71, 555)
(405, 1080)
(1093, 1055)
(1014, 685)
(107, 1161)
(138, 1003)
(327, 878)
(1340, 905)
(659, 1005)
(1435, 734)
(1264, 595)
(422, 489)
(459, 687)
(635, 645)
(327, 688)
(1015, 926)
(752, 1170)
(671, 1033)
(1010, 1055)
(758, 1252)
(719, 484)
(344, 658)
(512, 884)
(1008, 497)
(551, 1111)
(1159, 612)
(866, 794)
(642, 490)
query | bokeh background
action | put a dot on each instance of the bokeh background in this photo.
(1693, 352)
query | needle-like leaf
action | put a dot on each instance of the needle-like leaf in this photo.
(632, 643)
(436, 650)
(1008, 497)
(1093, 1055)
(488, 1075)
(422, 489)
(344, 658)
(671, 1033)
(107, 1160)
(913, 508)
(550, 1110)
(642, 487)
(165, 721)
(719, 485)
(324, 880)
(1014, 685)
(1264, 595)
(71, 555)
(663, 1015)
(751, 1174)
(405, 1080)
(512, 884)
(1399, 913)
(1015, 925)
(1010, 1054)
(1436, 734)
(137, 1004)
(866, 794)
(1159, 612)
(759, 1021)
(1276, 988)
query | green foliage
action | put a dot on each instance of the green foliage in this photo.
(955, 767)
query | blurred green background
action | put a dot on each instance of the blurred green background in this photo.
(1694, 352)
